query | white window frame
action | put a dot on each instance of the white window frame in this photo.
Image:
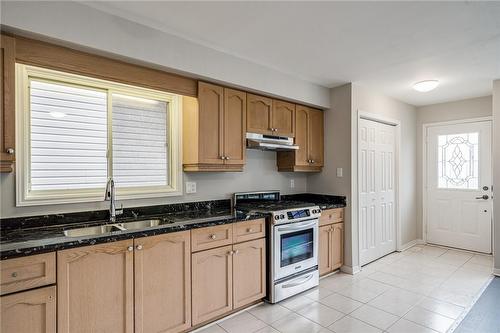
(27, 197)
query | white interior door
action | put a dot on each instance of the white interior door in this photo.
(376, 179)
(459, 203)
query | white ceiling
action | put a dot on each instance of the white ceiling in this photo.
(384, 45)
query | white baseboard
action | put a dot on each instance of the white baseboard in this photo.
(496, 271)
(350, 270)
(410, 244)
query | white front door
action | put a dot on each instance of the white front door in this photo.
(376, 179)
(459, 203)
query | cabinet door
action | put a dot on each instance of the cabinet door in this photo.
(95, 288)
(259, 110)
(31, 311)
(162, 271)
(301, 135)
(7, 103)
(325, 250)
(212, 274)
(249, 272)
(283, 118)
(316, 137)
(211, 99)
(235, 112)
(337, 245)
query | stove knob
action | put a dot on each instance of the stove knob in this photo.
(276, 217)
(282, 216)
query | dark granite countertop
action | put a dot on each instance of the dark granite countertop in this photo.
(324, 201)
(34, 235)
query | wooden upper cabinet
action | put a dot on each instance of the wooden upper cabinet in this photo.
(249, 272)
(309, 136)
(162, 272)
(31, 311)
(283, 118)
(7, 103)
(211, 122)
(235, 112)
(212, 279)
(214, 129)
(259, 109)
(95, 288)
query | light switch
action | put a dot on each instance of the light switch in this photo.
(190, 187)
(340, 172)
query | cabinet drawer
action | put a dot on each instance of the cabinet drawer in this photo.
(329, 216)
(208, 238)
(27, 272)
(249, 230)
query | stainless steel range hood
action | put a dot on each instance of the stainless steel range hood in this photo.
(270, 142)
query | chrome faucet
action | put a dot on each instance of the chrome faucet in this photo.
(110, 196)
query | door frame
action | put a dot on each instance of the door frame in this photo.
(397, 175)
(425, 127)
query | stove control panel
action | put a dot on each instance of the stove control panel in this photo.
(297, 214)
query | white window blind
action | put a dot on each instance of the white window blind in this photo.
(139, 141)
(68, 137)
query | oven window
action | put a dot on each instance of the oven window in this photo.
(296, 246)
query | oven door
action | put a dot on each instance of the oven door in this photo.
(295, 248)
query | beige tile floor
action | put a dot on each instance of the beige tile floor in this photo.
(423, 289)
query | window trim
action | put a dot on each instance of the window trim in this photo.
(26, 197)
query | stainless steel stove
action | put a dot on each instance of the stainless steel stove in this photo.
(293, 242)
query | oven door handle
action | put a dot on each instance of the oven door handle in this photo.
(298, 283)
(298, 226)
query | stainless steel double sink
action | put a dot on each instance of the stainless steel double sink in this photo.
(108, 228)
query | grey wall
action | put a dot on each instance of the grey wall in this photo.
(464, 109)
(88, 28)
(259, 174)
(496, 173)
(341, 151)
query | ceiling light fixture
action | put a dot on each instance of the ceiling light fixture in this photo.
(425, 86)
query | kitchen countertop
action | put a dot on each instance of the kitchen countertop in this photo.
(22, 241)
(22, 236)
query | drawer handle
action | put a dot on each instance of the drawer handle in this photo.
(249, 230)
(213, 236)
(14, 274)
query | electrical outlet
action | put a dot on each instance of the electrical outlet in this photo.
(292, 183)
(190, 187)
(340, 172)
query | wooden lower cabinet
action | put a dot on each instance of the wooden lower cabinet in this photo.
(162, 279)
(249, 272)
(331, 247)
(212, 283)
(95, 288)
(31, 311)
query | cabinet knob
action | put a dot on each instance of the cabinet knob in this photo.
(230, 253)
(249, 230)
(130, 248)
(227, 157)
(14, 274)
(312, 161)
(213, 236)
(10, 151)
(236, 252)
(139, 247)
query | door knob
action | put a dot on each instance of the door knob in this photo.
(483, 197)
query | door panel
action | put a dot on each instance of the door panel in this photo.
(283, 118)
(235, 108)
(249, 272)
(212, 278)
(376, 165)
(458, 176)
(316, 137)
(162, 272)
(211, 116)
(337, 245)
(259, 114)
(301, 135)
(325, 249)
(95, 289)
